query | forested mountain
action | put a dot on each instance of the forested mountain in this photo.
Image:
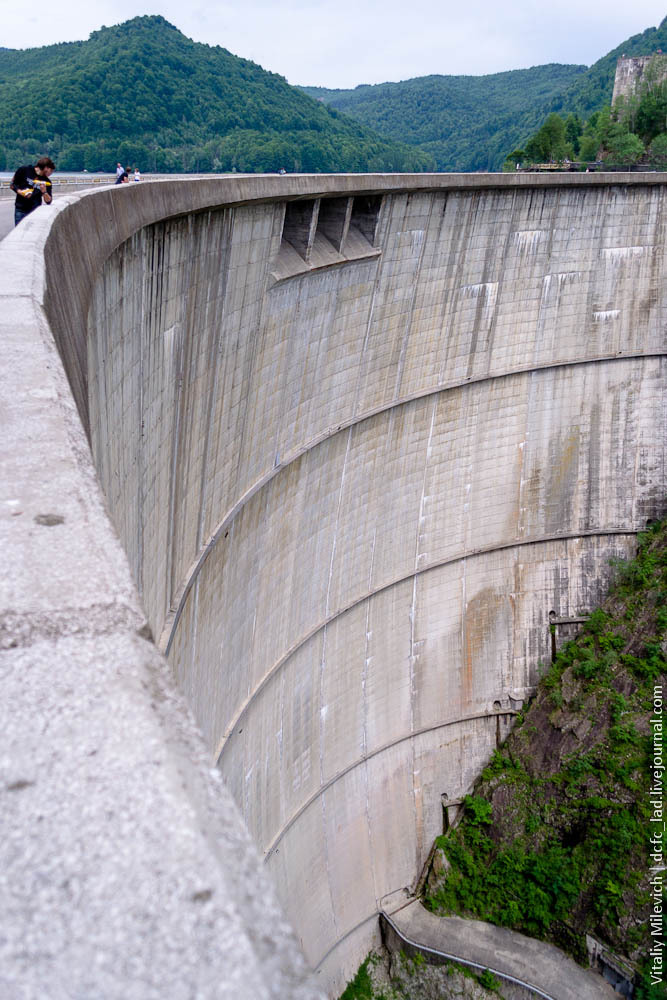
(465, 122)
(471, 122)
(143, 93)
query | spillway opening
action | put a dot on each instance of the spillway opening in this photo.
(365, 215)
(320, 232)
(299, 226)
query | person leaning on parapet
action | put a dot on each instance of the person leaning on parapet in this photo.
(31, 184)
(123, 177)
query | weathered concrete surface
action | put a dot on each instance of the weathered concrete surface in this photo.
(125, 869)
(532, 962)
(6, 218)
(351, 498)
(637, 73)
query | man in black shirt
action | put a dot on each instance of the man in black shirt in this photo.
(31, 185)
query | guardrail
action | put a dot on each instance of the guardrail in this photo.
(396, 941)
(62, 184)
(592, 166)
(79, 182)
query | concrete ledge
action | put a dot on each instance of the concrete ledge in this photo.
(125, 868)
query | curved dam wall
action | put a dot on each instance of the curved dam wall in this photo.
(352, 495)
(359, 436)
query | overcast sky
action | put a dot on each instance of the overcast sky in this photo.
(341, 43)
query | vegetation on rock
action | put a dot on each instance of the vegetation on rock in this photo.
(403, 978)
(556, 840)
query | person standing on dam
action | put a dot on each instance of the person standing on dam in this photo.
(31, 184)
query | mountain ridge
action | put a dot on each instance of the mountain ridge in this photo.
(144, 93)
(463, 121)
(481, 141)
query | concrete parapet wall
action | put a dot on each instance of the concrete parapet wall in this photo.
(351, 497)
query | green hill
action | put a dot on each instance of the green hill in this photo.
(464, 122)
(143, 93)
(471, 122)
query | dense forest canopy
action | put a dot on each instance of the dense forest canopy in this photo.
(143, 93)
(464, 122)
(471, 122)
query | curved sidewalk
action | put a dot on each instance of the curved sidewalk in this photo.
(534, 963)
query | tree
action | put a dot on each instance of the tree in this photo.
(618, 144)
(573, 131)
(589, 147)
(72, 157)
(658, 150)
(553, 137)
(624, 149)
(534, 150)
(651, 117)
(550, 142)
(512, 160)
(626, 108)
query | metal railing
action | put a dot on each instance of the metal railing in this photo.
(388, 927)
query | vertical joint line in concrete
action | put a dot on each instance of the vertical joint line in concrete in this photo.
(227, 233)
(411, 309)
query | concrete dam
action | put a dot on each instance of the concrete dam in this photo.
(362, 438)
